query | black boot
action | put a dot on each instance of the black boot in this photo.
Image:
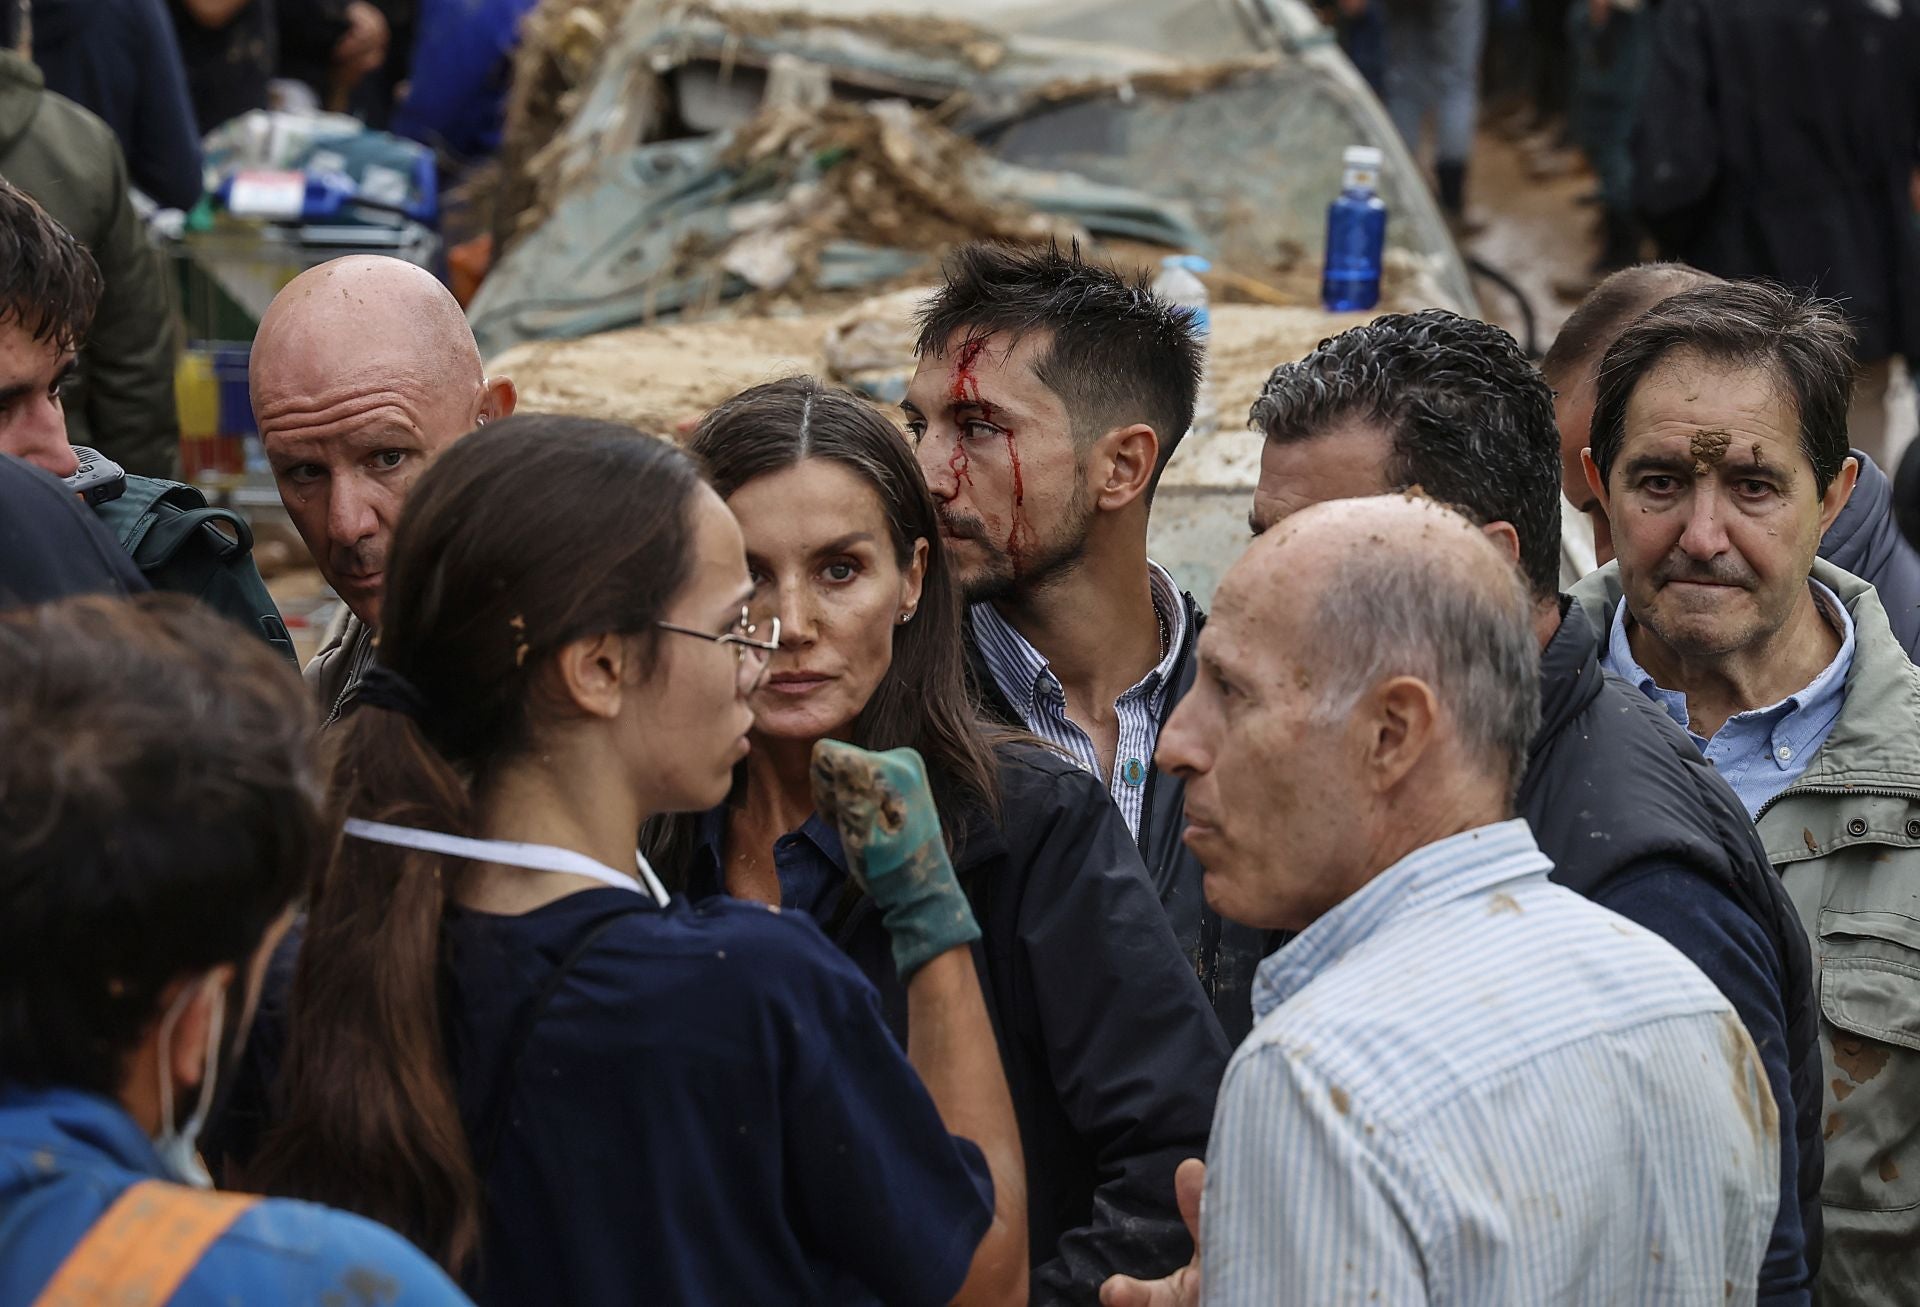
(1452, 179)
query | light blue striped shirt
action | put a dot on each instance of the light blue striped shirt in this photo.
(1471, 1086)
(1022, 673)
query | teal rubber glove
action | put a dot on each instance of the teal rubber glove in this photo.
(891, 832)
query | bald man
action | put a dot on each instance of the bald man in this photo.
(1466, 1084)
(363, 370)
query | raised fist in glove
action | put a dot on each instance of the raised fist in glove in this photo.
(891, 832)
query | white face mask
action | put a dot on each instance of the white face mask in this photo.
(178, 1155)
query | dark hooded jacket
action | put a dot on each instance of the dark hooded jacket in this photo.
(1866, 541)
(1224, 954)
(51, 547)
(1776, 138)
(64, 157)
(1110, 1057)
(1635, 819)
(119, 59)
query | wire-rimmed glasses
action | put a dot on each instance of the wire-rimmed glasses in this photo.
(750, 654)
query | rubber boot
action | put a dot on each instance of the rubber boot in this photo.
(1452, 185)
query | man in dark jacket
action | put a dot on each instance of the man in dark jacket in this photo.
(1866, 541)
(120, 60)
(121, 400)
(49, 294)
(1777, 139)
(1628, 811)
(1863, 540)
(1050, 394)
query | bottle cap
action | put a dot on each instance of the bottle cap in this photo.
(1190, 262)
(1364, 156)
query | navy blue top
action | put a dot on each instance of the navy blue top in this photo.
(66, 1156)
(121, 59)
(711, 1110)
(1111, 1051)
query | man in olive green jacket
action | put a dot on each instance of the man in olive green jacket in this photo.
(121, 403)
(1719, 454)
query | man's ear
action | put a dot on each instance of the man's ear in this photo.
(1505, 537)
(1127, 456)
(187, 1043)
(498, 399)
(591, 673)
(1595, 482)
(1838, 493)
(1400, 717)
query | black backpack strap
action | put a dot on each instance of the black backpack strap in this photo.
(487, 1136)
(168, 534)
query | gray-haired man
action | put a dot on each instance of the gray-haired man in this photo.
(1719, 453)
(1467, 1084)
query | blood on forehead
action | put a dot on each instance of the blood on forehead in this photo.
(965, 388)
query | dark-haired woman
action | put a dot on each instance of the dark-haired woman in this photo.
(505, 1040)
(1111, 1051)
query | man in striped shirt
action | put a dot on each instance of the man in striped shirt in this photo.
(1049, 396)
(1467, 1084)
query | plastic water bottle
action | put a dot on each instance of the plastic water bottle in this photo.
(1179, 284)
(1356, 235)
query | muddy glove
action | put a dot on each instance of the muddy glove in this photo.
(891, 833)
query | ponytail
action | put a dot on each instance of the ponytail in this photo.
(516, 541)
(370, 1120)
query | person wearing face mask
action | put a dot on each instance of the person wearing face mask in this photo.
(508, 1042)
(159, 813)
(1110, 1048)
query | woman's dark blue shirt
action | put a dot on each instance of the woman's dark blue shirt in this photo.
(710, 1110)
(1112, 1053)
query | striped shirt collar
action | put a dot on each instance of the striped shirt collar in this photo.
(1453, 868)
(1026, 678)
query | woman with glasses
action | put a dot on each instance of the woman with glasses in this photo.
(1111, 1051)
(505, 1040)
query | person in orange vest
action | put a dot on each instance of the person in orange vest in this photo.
(160, 813)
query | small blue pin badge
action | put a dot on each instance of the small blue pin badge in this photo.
(1134, 772)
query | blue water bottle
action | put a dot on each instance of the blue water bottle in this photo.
(1356, 236)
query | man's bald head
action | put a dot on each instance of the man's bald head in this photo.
(1369, 683)
(1399, 585)
(363, 369)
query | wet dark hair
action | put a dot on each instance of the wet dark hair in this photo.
(160, 807)
(49, 283)
(520, 539)
(1119, 353)
(922, 701)
(1469, 419)
(1805, 343)
(1608, 310)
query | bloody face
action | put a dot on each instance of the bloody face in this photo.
(997, 447)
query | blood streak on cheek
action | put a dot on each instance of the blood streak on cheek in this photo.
(1020, 534)
(961, 466)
